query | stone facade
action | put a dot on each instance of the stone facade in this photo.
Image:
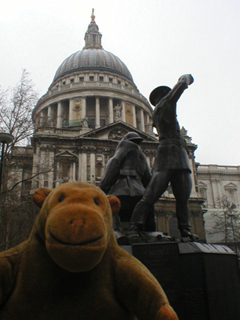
(214, 183)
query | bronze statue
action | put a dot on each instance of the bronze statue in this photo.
(171, 163)
(126, 176)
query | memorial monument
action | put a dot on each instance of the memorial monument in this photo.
(201, 280)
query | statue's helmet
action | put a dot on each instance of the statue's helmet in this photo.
(157, 94)
(133, 136)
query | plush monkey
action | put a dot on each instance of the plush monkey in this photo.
(72, 268)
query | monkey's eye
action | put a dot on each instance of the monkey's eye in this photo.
(61, 198)
(96, 201)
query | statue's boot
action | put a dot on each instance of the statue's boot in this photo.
(187, 236)
(139, 215)
(135, 229)
(134, 232)
(121, 238)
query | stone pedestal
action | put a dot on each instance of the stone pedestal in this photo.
(201, 281)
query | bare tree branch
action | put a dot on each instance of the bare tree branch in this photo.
(226, 221)
(23, 180)
(16, 111)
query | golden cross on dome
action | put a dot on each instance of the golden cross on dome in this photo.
(93, 16)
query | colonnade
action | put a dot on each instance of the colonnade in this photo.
(64, 110)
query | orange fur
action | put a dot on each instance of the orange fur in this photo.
(71, 266)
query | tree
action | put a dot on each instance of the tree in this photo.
(16, 111)
(227, 223)
(16, 107)
(16, 219)
(17, 212)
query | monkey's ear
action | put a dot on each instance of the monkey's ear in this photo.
(114, 203)
(40, 195)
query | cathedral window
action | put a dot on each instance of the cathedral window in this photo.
(99, 171)
(91, 122)
(101, 78)
(102, 122)
(231, 192)
(81, 79)
(203, 193)
(91, 78)
(65, 170)
(45, 181)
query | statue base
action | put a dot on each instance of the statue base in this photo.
(142, 237)
(201, 280)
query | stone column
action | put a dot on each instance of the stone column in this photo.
(36, 160)
(49, 116)
(57, 182)
(41, 118)
(83, 164)
(97, 112)
(92, 167)
(147, 118)
(42, 159)
(191, 164)
(134, 116)
(49, 111)
(215, 193)
(74, 171)
(123, 112)
(218, 182)
(84, 110)
(59, 115)
(142, 125)
(71, 172)
(70, 110)
(110, 110)
(51, 166)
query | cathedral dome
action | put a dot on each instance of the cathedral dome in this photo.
(92, 88)
(95, 59)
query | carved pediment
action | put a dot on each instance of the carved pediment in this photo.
(202, 185)
(230, 186)
(117, 134)
(115, 131)
(66, 154)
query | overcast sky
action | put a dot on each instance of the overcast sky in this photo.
(158, 40)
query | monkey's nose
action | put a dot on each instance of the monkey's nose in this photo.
(76, 224)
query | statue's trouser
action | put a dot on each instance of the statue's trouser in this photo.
(181, 183)
(128, 204)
